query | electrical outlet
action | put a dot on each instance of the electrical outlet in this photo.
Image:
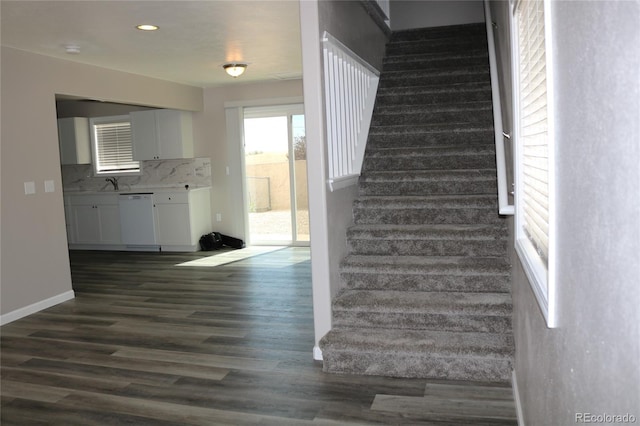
(218, 217)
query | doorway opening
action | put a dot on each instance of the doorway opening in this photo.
(275, 173)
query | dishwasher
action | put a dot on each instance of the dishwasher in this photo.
(137, 224)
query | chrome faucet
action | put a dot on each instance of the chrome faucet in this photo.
(114, 182)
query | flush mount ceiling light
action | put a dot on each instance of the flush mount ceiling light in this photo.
(147, 27)
(234, 69)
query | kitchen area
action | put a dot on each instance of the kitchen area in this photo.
(130, 179)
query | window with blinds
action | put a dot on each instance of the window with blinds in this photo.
(534, 148)
(533, 124)
(113, 149)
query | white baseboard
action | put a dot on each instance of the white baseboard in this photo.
(36, 307)
(516, 398)
(317, 353)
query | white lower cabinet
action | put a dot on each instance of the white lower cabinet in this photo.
(181, 218)
(95, 219)
(173, 224)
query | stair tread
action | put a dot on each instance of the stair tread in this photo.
(422, 342)
(459, 127)
(427, 175)
(422, 201)
(436, 231)
(437, 108)
(428, 151)
(454, 265)
(424, 302)
(477, 53)
(429, 89)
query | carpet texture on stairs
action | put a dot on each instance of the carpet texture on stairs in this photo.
(426, 281)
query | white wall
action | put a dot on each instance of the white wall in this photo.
(590, 363)
(35, 263)
(428, 13)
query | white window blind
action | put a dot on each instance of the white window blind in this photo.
(113, 147)
(534, 125)
(534, 150)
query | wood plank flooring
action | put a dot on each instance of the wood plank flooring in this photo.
(148, 342)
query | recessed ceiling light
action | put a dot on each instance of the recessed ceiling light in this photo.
(147, 27)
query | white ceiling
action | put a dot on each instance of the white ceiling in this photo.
(194, 40)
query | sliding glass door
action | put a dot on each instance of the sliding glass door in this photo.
(275, 173)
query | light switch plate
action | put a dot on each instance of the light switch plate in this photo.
(29, 188)
(49, 186)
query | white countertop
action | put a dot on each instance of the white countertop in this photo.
(136, 190)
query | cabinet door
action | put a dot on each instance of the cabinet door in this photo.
(87, 224)
(173, 224)
(175, 134)
(109, 218)
(144, 135)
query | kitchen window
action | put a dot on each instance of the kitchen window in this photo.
(534, 149)
(112, 146)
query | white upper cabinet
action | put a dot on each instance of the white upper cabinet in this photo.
(74, 140)
(161, 134)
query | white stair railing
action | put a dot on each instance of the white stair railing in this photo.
(504, 207)
(350, 86)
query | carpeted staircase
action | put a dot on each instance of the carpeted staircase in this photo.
(427, 277)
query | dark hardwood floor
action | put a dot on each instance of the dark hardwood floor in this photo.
(147, 342)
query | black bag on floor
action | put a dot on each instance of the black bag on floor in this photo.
(236, 243)
(211, 241)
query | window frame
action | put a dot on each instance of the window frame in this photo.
(541, 274)
(93, 122)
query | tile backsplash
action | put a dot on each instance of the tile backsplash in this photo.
(195, 172)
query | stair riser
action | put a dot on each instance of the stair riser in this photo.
(438, 33)
(435, 162)
(423, 282)
(422, 321)
(440, 36)
(444, 46)
(403, 63)
(468, 116)
(427, 187)
(398, 247)
(417, 366)
(433, 98)
(420, 112)
(427, 129)
(370, 215)
(437, 80)
(418, 140)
